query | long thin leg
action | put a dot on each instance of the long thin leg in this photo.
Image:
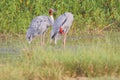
(50, 41)
(41, 40)
(55, 41)
(64, 40)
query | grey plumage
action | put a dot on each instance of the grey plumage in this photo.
(64, 21)
(39, 26)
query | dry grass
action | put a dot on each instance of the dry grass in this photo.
(82, 58)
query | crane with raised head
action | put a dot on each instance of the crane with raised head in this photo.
(39, 26)
(61, 26)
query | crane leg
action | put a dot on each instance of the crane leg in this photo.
(50, 41)
(64, 40)
(41, 40)
(55, 41)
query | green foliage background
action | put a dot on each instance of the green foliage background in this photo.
(16, 15)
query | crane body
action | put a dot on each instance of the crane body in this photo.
(39, 26)
(61, 26)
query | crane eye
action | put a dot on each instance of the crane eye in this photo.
(29, 37)
(50, 11)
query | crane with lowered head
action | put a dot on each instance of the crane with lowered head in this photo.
(39, 26)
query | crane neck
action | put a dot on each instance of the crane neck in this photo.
(52, 19)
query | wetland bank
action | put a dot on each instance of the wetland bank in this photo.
(93, 44)
(82, 57)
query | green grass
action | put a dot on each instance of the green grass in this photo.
(16, 15)
(90, 56)
(87, 53)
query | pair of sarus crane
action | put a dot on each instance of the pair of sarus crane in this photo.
(40, 24)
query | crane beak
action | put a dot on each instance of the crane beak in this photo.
(53, 10)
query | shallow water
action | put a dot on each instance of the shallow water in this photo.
(12, 44)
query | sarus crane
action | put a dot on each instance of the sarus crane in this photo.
(39, 26)
(61, 27)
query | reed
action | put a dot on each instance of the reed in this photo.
(16, 15)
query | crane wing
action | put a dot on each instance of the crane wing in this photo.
(36, 22)
(62, 24)
(59, 22)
